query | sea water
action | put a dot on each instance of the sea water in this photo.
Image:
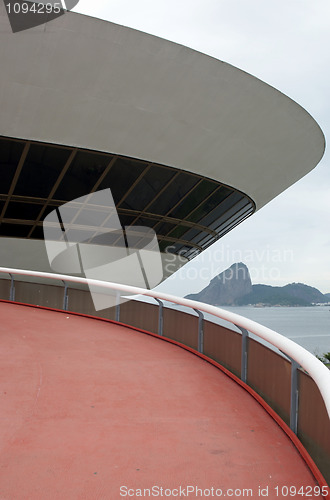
(307, 326)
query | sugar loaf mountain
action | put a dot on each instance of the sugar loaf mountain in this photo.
(233, 287)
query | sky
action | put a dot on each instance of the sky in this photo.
(286, 44)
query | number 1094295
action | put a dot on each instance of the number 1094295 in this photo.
(34, 8)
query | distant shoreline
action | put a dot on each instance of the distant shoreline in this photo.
(234, 287)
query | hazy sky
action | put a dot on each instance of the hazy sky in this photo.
(286, 44)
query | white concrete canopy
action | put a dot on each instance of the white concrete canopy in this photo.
(84, 82)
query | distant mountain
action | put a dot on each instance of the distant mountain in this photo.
(295, 294)
(226, 288)
(234, 287)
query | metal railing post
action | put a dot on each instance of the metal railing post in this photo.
(117, 314)
(160, 317)
(244, 356)
(200, 331)
(294, 404)
(66, 297)
(12, 288)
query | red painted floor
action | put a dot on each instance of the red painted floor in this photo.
(88, 407)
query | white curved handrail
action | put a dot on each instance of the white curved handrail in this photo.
(317, 370)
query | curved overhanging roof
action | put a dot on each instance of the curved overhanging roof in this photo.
(189, 145)
(84, 82)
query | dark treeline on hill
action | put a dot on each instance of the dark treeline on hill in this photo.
(233, 287)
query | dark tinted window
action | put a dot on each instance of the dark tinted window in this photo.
(192, 233)
(17, 230)
(121, 177)
(148, 187)
(10, 154)
(238, 216)
(164, 228)
(201, 191)
(82, 175)
(221, 209)
(41, 169)
(173, 193)
(27, 211)
(213, 201)
(168, 246)
(146, 221)
(155, 196)
(125, 220)
(37, 233)
(236, 211)
(179, 231)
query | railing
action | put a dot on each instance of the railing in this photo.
(297, 355)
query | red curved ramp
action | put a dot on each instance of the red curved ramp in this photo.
(92, 410)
